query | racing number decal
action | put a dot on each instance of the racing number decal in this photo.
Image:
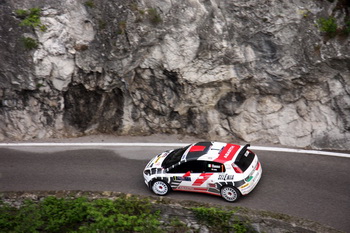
(202, 179)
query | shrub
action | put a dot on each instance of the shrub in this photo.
(102, 24)
(347, 27)
(21, 13)
(328, 26)
(31, 18)
(61, 214)
(122, 27)
(29, 43)
(90, 4)
(124, 214)
(80, 215)
(154, 17)
(7, 218)
(27, 219)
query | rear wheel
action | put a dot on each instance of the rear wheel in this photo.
(230, 193)
(160, 188)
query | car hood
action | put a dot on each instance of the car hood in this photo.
(157, 161)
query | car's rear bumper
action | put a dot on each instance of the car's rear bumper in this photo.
(249, 186)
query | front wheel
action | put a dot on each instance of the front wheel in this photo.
(160, 188)
(230, 193)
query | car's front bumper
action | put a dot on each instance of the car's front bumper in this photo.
(147, 178)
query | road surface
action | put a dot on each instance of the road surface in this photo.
(315, 187)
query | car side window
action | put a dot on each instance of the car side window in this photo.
(215, 167)
(192, 166)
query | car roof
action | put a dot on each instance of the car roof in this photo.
(212, 151)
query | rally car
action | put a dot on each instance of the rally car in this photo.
(217, 168)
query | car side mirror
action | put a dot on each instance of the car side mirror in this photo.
(187, 174)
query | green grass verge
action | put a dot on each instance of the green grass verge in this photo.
(122, 214)
(80, 215)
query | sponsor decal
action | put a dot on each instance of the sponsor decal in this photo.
(226, 177)
(249, 178)
(202, 178)
(157, 160)
(182, 178)
(214, 166)
(227, 153)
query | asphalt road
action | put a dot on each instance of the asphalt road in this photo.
(314, 187)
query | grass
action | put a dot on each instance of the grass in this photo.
(80, 215)
(150, 13)
(31, 18)
(29, 43)
(121, 27)
(89, 4)
(346, 28)
(328, 26)
(154, 16)
(123, 214)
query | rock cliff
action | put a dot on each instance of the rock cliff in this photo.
(257, 71)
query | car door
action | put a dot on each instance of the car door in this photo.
(217, 173)
(199, 177)
(189, 176)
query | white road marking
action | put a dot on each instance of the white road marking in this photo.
(149, 144)
(88, 144)
(300, 151)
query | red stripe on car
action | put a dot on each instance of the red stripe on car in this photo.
(202, 178)
(227, 153)
(197, 148)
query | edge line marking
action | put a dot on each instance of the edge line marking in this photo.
(150, 144)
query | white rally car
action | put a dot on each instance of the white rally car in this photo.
(217, 168)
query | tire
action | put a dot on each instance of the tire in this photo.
(230, 193)
(160, 188)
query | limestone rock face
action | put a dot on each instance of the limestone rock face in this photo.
(224, 70)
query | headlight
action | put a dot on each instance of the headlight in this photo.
(147, 172)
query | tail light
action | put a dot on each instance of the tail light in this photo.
(236, 168)
(257, 166)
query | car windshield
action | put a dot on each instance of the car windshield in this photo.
(174, 157)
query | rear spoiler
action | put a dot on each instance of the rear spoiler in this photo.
(242, 152)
